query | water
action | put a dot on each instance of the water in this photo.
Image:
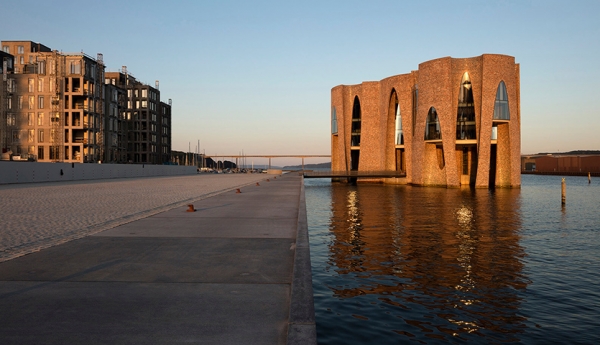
(402, 264)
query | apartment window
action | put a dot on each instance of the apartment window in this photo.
(30, 83)
(22, 60)
(31, 104)
(30, 135)
(40, 136)
(137, 104)
(129, 93)
(40, 152)
(40, 102)
(128, 104)
(20, 50)
(144, 93)
(40, 119)
(41, 67)
(12, 86)
(135, 93)
(30, 119)
(31, 149)
(6, 49)
(20, 102)
(30, 58)
(75, 67)
(9, 103)
(11, 119)
(40, 85)
(144, 104)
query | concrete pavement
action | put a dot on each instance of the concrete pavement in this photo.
(236, 271)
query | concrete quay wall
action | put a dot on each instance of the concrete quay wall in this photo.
(28, 172)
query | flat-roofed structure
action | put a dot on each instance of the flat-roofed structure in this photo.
(453, 122)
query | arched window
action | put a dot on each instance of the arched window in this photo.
(432, 126)
(501, 111)
(334, 124)
(465, 118)
(399, 134)
(394, 109)
(356, 115)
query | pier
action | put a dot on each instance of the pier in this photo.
(234, 270)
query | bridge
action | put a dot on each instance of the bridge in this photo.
(238, 156)
(354, 174)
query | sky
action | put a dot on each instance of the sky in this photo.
(256, 76)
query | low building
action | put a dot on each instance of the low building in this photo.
(452, 122)
(578, 164)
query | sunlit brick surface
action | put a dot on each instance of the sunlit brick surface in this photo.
(438, 82)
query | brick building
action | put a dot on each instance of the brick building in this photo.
(60, 107)
(452, 122)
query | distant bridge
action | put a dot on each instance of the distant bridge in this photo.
(354, 174)
(266, 156)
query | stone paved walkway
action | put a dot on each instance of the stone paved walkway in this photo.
(40, 215)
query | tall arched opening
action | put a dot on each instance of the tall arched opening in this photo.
(500, 139)
(466, 133)
(394, 113)
(355, 135)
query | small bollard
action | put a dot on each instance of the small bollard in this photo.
(564, 191)
(589, 177)
(190, 208)
(238, 191)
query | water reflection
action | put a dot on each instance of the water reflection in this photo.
(445, 263)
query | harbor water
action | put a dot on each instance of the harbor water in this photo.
(405, 264)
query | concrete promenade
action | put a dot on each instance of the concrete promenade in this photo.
(122, 262)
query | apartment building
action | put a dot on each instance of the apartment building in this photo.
(6, 99)
(57, 104)
(61, 107)
(115, 128)
(148, 119)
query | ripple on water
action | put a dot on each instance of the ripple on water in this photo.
(433, 265)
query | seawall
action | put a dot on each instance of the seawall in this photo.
(28, 172)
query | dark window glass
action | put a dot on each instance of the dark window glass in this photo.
(334, 125)
(432, 126)
(501, 111)
(465, 118)
(356, 117)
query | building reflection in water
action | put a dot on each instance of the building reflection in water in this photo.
(448, 260)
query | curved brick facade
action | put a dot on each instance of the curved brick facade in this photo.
(478, 161)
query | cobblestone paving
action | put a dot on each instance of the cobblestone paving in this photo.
(35, 216)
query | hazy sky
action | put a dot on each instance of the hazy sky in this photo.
(257, 75)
